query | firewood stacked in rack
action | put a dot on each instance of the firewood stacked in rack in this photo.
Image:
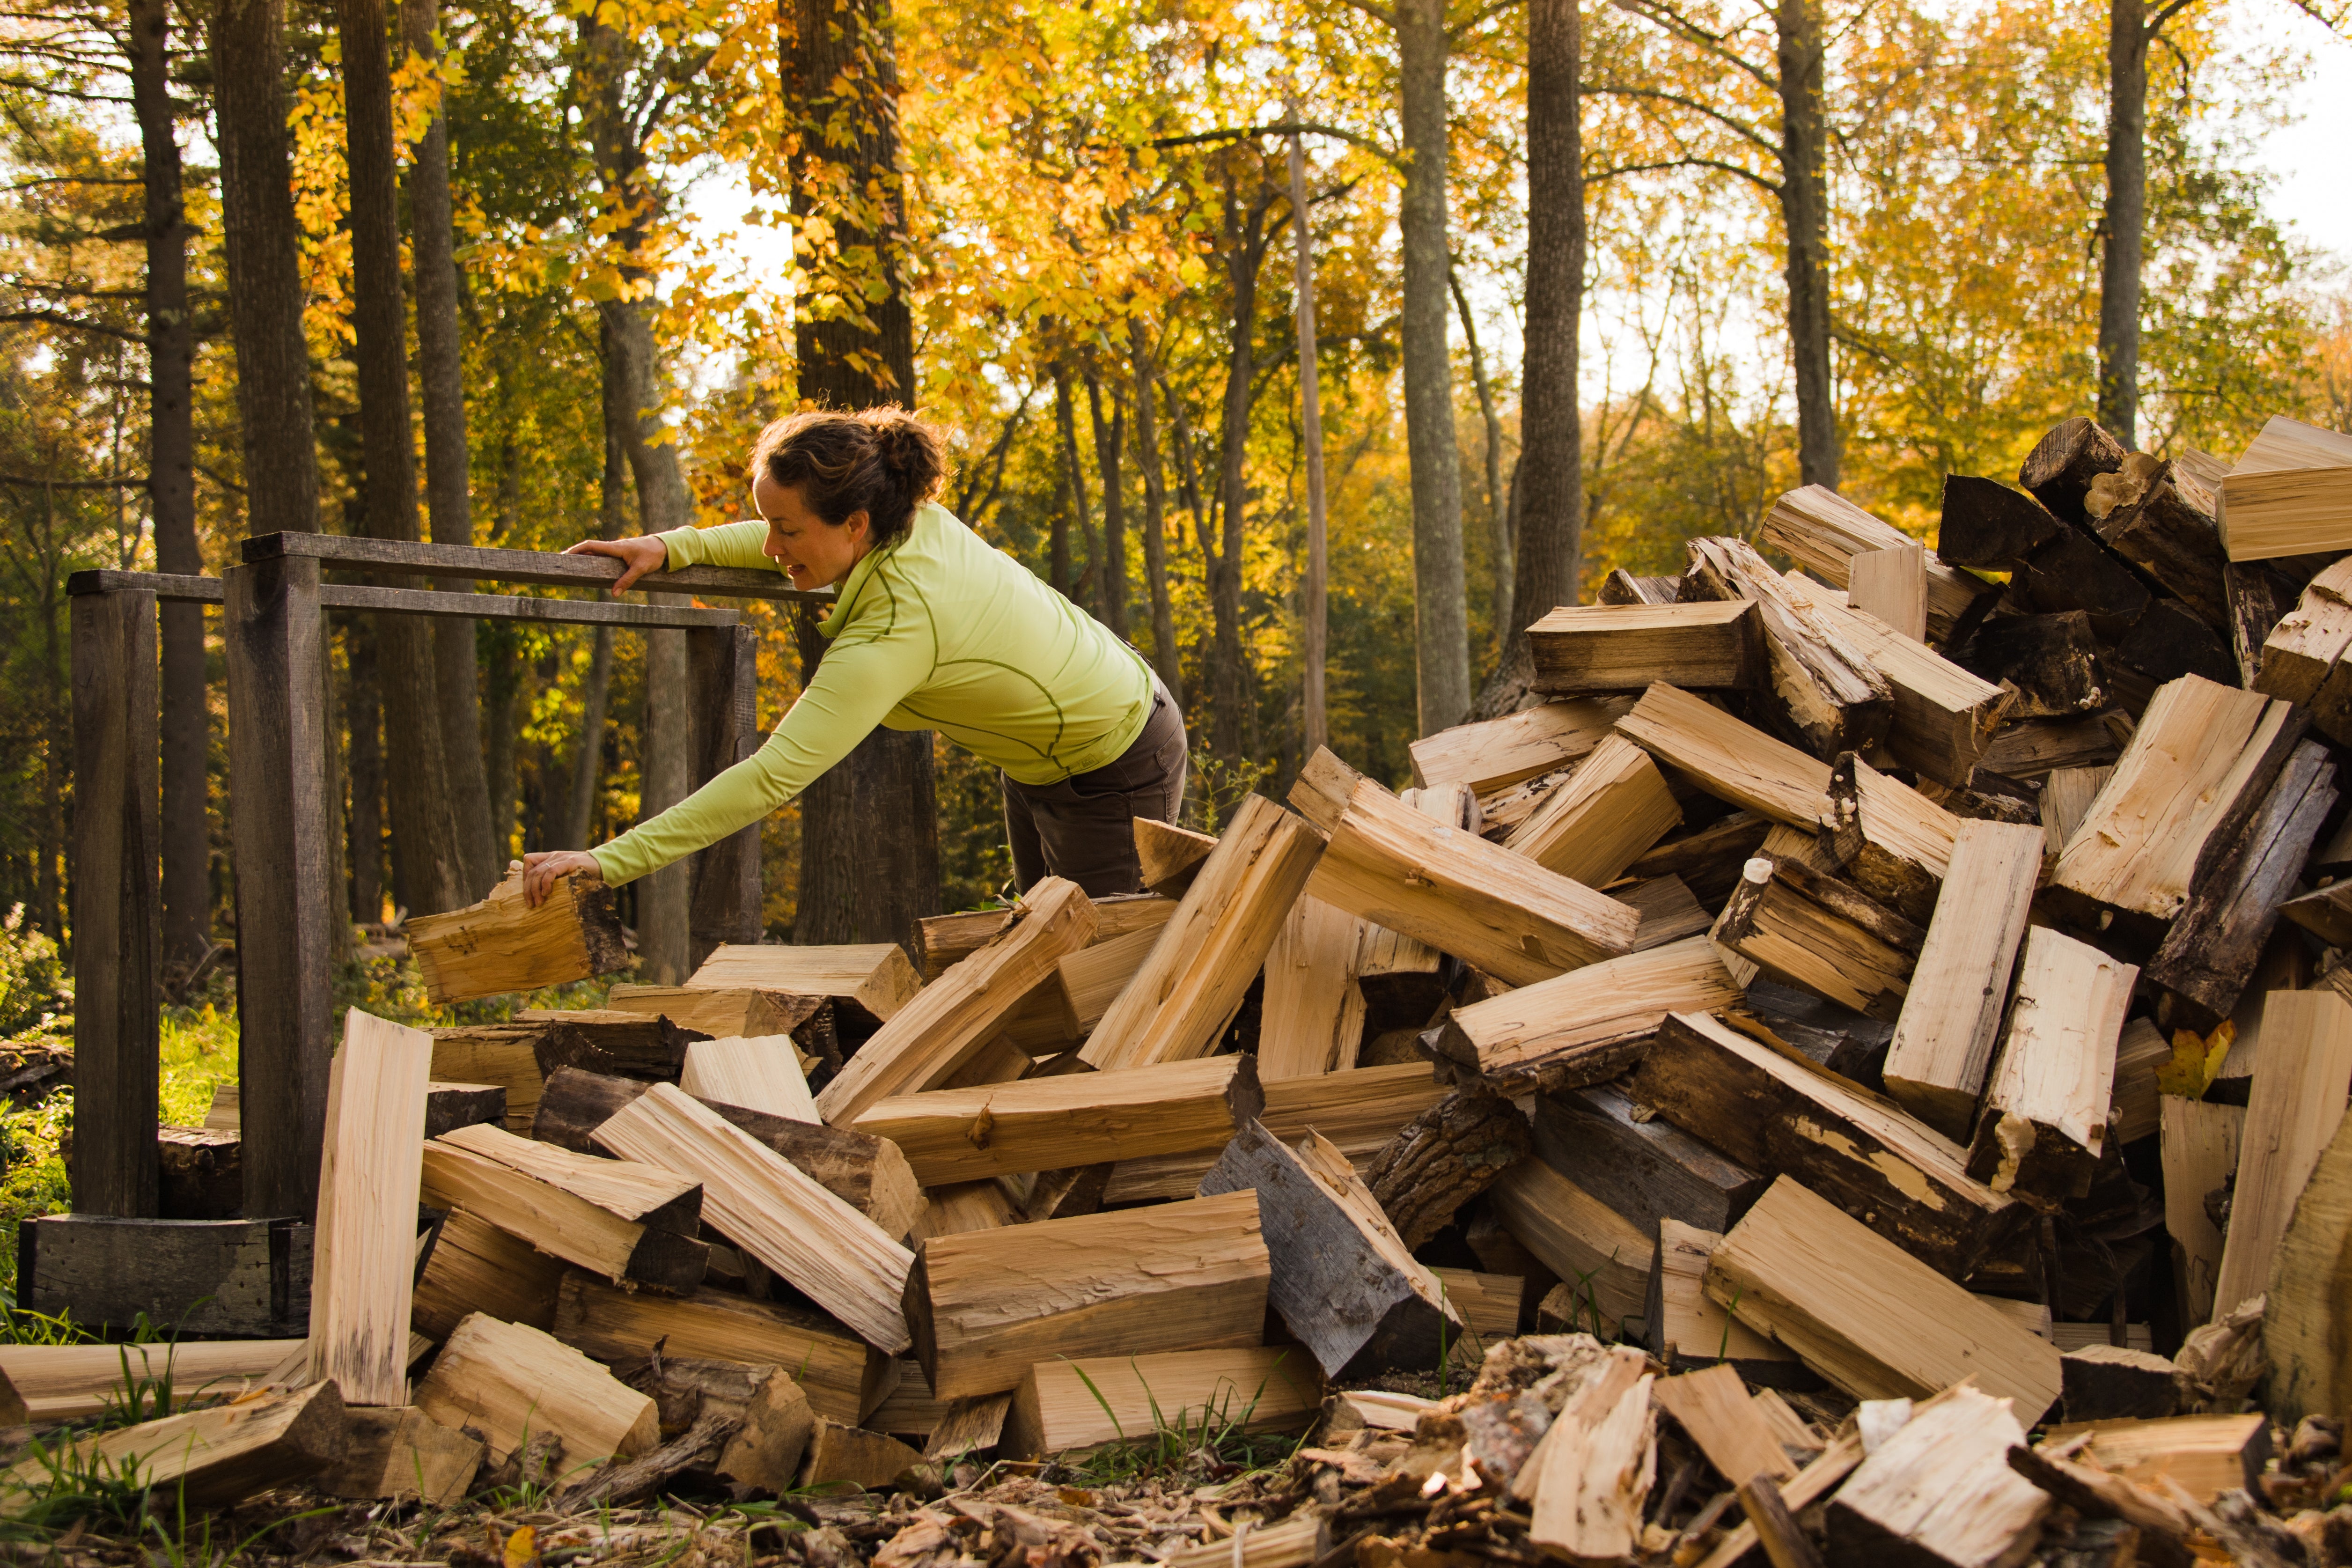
(1844, 1016)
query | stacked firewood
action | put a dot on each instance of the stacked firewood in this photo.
(1845, 1014)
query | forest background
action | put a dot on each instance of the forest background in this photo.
(632, 254)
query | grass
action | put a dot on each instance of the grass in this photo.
(1214, 1432)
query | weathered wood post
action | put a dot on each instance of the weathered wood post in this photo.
(117, 903)
(723, 687)
(279, 821)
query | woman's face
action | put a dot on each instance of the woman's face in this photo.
(812, 551)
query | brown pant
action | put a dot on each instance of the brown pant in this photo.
(1083, 829)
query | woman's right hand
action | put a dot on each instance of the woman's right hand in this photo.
(640, 555)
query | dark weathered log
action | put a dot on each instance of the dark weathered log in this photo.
(2218, 937)
(203, 1174)
(1707, 859)
(1444, 1158)
(2075, 571)
(2112, 1383)
(652, 1049)
(1785, 1543)
(449, 1106)
(2169, 532)
(2260, 597)
(1836, 1039)
(1343, 1280)
(1886, 837)
(621, 1482)
(2167, 642)
(2052, 660)
(1987, 524)
(2060, 468)
(237, 1279)
(1647, 1170)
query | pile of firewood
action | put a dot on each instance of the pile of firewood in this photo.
(1844, 1020)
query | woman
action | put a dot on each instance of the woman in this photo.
(933, 629)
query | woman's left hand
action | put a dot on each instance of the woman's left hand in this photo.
(541, 868)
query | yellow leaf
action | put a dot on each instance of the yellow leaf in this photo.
(522, 1548)
(2195, 1061)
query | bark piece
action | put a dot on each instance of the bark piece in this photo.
(1359, 1109)
(627, 1044)
(2299, 1097)
(476, 1267)
(2290, 493)
(1212, 948)
(2052, 660)
(1171, 856)
(363, 1264)
(868, 980)
(1697, 646)
(1591, 1023)
(1785, 1543)
(1988, 525)
(774, 1210)
(2197, 764)
(2075, 571)
(1185, 1276)
(1779, 1116)
(1495, 753)
(1343, 1280)
(771, 1415)
(1084, 1119)
(1823, 531)
(1611, 809)
(844, 1377)
(2160, 1525)
(1818, 687)
(2165, 643)
(1943, 1043)
(948, 1023)
(1685, 1327)
(399, 1452)
(2169, 531)
(510, 1383)
(1645, 1168)
(1819, 934)
(502, 944)
(1604, 1261)
(2259, 598)
(1836, 1039)
(1941, 1491)
(624, 1220)
(2112, 1383)
(1731, 761)
(1444, 1158)
(213, 1456)
(1864, 1312)
(1069, 1407)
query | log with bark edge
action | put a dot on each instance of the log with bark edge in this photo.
(1707, 859)
(2044, 1122)
(475, 1267)
(1645, 1167)
(1591, 1023)
(212, 1457)
(1698, 646)
(1360, 1109)
(745, 1010)
(1444, 1158)
(2063, 464)
(503, 944)
(2052, 660)
(1495, 753)
(1824, 532)
(1818, 687)
(1990, 526)
(2166, 529)
(1946, 715)
(2032, 749)
(622, 1219)
(1820, 934)
(1887, 837)
(510, 1382)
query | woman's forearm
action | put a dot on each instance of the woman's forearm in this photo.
(729, 544)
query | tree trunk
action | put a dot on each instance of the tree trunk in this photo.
(424, 821)
(1108, 440)
(1155, 514)
(2124, 225)
(1441, 608)
(839, 71)
(265, 268)
(1229, 683)
(612, 515)
(1498, 520)
(441, 375)
(1313, 607)
(366, 816)
(1805, 214)
(502, 685)
(172, 493)
(1057, 552)
(1549, 488)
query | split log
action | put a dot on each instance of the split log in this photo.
(449, 1106)
(1890, 585)
(66, 1382)
(1943, 1042)
(772, 1419)
(2061, 468)
(1707, 859)
(1645, 1168)
(1697, 646)
(1595, 1477)
(1941, 1491)
(1320, 793)
(2165, 643)
(949, 940)
(2196, 766)
(1670, 913)
(511, 1383)
(2045, 1111)
(2300, 652)
(1359, 1109)
(400, 1454)
(840, 1454)
(969, 1427)
(1313, 1020)
(1604, 1259)
(760, 1074)
(1866, 1314)
(845, 1378)
(1945, 714)
(1785, 1543)
(1836, 1039)
(1731, 761)
(1343, 1280)
(2310, 1281)
(1820, 934)
(1211, 950)
(2260, 597)
(2066, 797)
(869, 980)
(1818, 687)
(950, 1022)
(1183, 1276)
(475, 1267)
(1171, 856)
(2134, 1109)
(1887, 838)
(505, 1056)
(1614, 807)
(2204, 1455)
(745, 1011)
(1497, 752)
(2168, 531)
(1444, 1158)
(1067, 1407)
(1779, 1116)
(626, 1044)
(2052, 660)
(503, 944)
(1489, 1305)
(1622, 587)
(2161, 1526)
(1500, 911)
(1589, 1024)
(1594, 1386)
(2325, 912)
(1685, 1327)
(1986, 524)
(2290, 493)
(2115, 1383)
(1823, 531)
(624, 1220)
(209, 1457)
(2299, 1098)
(202, 1172)
(2075, 571)
(2219, 936)
(780, 1215)
(1712, 1407)
(1084, 1119)
(2032, 748)
(2199, 1148)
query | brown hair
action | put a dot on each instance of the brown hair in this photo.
(884, 462)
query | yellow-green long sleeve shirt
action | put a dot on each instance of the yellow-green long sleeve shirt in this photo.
(940, 631)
